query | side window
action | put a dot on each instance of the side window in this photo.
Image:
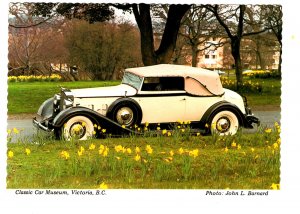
(163, 84)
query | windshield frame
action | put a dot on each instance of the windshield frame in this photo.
(139, 80)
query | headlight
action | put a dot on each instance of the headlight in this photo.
(56, 99)
(67, 104)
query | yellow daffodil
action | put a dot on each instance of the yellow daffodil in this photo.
(268, 130)
(118, 148)
(275, 146)
(103, 131)
(80, 153)
(252, 149)
(158, 128)
(180, 151)
(83, 124)
(105, 152)
(213, 126)
(65, 155)
(81, 148)
(103, 186)
(123, 126)
(118, 158)
(92, 147)
(149, 149)
(239, 147)
(8, 131)
(146, 124)
(95, 125)
(99, 127)
(182, 130)
(27, 151)
(137, 157)
(198, 134)
(169, 134)
(15, 130)
(226, 149)
(233, 144)
(10, 154)
(171, 153)
(164, 131)
(94, 133)
(137, 149)
(145, 129)
(194, 153)
(168, 159)
(128, 150)
(275, 186)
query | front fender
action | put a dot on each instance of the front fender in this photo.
(46, 109)
(95, 117)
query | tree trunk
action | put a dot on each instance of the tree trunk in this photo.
(235, 51)
(280, 61)
(194, 55)
(167, 46)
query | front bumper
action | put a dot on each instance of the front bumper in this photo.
(44, 125)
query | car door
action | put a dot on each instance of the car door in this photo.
(162, 99)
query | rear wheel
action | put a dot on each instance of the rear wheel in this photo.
(78, 127)
(224, 123)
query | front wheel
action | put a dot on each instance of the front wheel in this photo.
(224, 123)
(126, 114)
(78, 127)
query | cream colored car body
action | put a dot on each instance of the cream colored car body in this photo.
(160, 109)
(152, 94)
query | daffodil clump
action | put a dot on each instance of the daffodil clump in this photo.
(33, 78)
(260, 74)
(247, 86)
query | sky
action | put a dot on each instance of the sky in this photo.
(180, 201)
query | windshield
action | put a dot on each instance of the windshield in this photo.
(132, 80)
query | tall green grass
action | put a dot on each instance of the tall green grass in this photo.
(243, 161)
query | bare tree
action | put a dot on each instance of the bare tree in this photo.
(32, 49)
(232, 19)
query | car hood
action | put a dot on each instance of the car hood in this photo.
(110, 91)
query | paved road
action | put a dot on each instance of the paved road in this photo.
(267, 118)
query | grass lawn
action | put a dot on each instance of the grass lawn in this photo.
(25, 97)
(243, 161)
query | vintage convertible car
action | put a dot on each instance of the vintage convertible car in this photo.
(158, 94)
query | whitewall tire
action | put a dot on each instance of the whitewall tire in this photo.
(224, 123)
(78, 127)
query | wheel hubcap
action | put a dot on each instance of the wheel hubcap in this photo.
(125, 116)
(223, 124)
(77, 130)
